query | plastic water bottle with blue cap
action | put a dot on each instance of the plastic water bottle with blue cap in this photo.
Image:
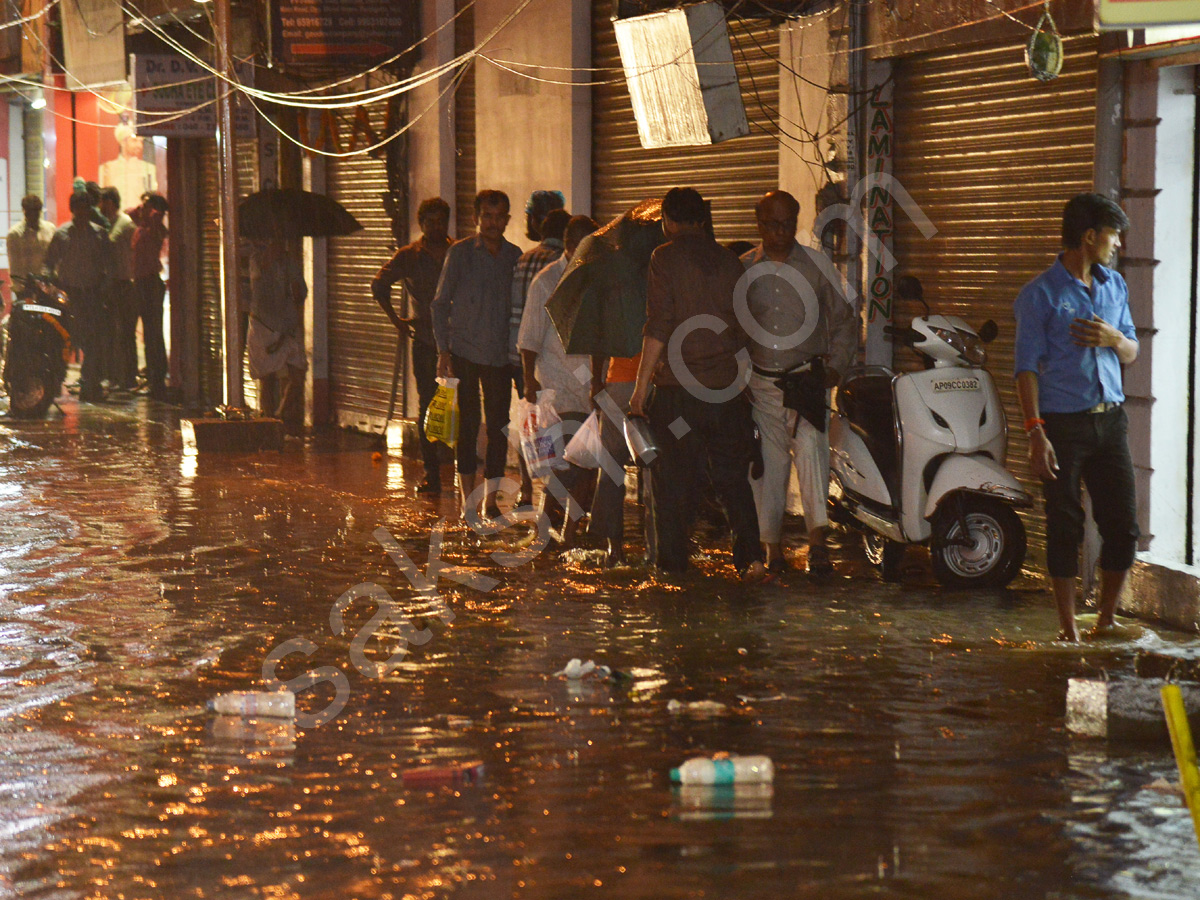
(725, 770)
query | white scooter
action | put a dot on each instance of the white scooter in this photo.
(918, 457)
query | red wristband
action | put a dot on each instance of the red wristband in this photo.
(1031, 424)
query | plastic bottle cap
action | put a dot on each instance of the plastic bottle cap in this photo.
(675, 776)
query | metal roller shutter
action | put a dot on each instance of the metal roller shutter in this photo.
(464, 125)
(362, 342)
(991, 155)
(733, 174)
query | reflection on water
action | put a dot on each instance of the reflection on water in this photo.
(917, 736)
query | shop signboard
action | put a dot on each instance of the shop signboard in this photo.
(1146, 13)
(340, 31)
(176, 97)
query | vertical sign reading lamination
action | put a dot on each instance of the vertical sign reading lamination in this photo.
(879, 215)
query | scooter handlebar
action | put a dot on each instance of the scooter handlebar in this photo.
(904, 335)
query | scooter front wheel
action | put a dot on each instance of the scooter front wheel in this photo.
(994, 548)
(885, 555)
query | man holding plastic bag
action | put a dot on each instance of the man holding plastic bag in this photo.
(470, 313)
(548, 369)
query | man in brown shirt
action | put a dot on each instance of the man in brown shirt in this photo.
(694, 352)
(419, 265)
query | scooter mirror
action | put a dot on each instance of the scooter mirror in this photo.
(988, 332)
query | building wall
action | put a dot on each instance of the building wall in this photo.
(813, 64)
(533, 134)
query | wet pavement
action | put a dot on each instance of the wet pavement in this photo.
(917, 735)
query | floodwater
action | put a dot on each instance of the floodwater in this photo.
(917, 735)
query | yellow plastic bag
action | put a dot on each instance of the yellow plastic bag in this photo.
(441, 417)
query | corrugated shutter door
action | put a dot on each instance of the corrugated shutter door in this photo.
(991, 155)
(733, 174)
(212, 374)
(362, 342)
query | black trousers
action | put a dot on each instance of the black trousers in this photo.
(424, 362)
(1092, 448)
(123, 365)
(496, 383)
(150, 292)
(91, 332)
(719, 439)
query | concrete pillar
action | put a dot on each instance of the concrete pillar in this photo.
(431, 140)
(316, 328)
(807, 73)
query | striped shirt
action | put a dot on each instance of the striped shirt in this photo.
(527, 268)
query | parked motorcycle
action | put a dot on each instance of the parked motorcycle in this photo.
(39, 346)
(918, 457)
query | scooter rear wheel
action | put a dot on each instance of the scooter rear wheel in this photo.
(997, 548)
(884, 554)
(29, 396)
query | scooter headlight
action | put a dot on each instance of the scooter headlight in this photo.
(974, 353)
(967, 345)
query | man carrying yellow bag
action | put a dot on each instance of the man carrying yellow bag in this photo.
(441, 417)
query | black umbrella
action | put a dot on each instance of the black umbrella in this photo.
(599, 306)
(290, 213)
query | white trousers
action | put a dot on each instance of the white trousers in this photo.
(808, 450)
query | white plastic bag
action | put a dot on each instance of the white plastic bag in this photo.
(585, 449)
(541, 435)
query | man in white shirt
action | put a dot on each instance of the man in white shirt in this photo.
(547, 366)
(28, 240)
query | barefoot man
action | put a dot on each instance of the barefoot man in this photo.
(1074, 332)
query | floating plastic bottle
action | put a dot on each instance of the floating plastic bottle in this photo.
(273, 704)
(466, 773)
(725, 770)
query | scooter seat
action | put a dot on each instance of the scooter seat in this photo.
(867, 402)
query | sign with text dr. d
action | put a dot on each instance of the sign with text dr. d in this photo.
(165, 85)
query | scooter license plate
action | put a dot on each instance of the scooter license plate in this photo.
(35, 308)
(955, 384)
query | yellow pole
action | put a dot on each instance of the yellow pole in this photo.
(1185, 750)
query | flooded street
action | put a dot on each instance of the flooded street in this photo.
(918, 736)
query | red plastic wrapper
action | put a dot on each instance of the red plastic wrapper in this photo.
(464, 773)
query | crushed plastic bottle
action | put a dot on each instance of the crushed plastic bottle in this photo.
(465, 773)
(725, 770)
(695, 707)
(267, 704)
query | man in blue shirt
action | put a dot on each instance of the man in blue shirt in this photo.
(1074, 333)
(470, 313)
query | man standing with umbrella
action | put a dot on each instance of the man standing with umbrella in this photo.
(471, 325)
(419, 265)
(275, 343)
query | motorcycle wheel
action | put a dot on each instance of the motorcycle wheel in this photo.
(885, 555)
(30, 396)
(997, 547)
